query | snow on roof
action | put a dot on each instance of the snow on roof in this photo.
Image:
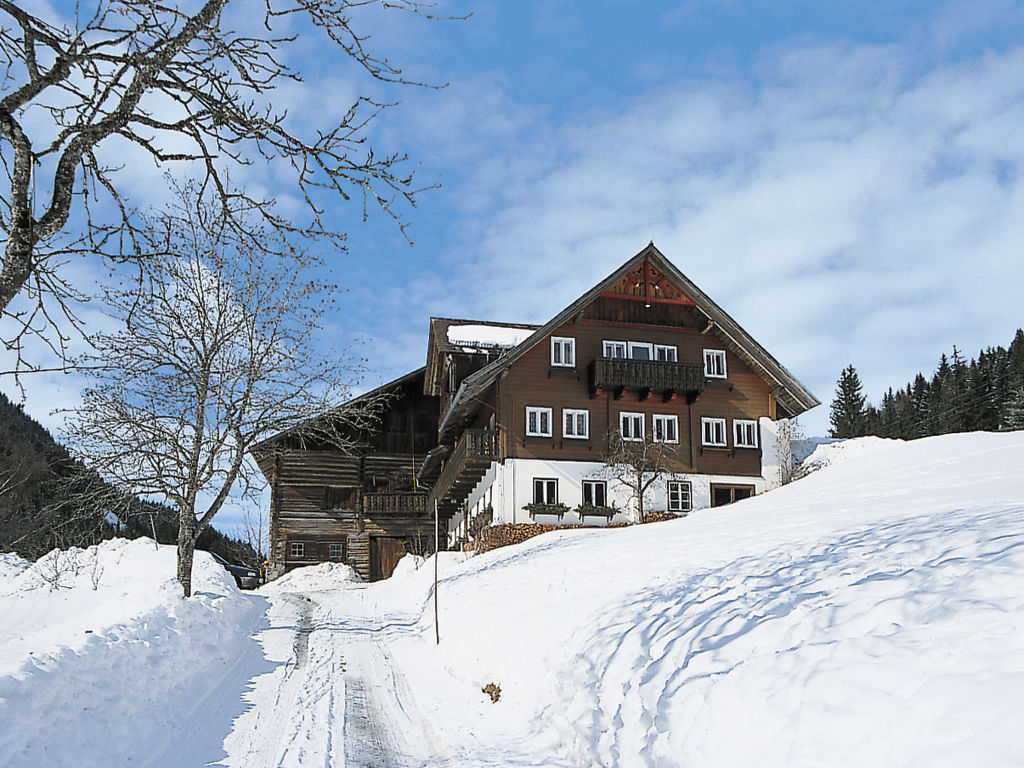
(473, 337)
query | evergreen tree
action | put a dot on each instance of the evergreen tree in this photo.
(848, 414)
(1013, 413)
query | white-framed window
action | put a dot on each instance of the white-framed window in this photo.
(296, 549)
(563, 351)
(666, 428)
(538, 421)
(712, 432)
(631, 426)
(714, 363)
(545, 490)
(614, 349)
(666, 353)
(575, 424)
(641, 350)
(595, 493)
(679, 496)
(744, 433)
(337, 551)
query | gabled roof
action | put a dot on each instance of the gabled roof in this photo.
(790, 394)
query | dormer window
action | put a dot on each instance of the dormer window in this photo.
(714, 363)
(563, 352)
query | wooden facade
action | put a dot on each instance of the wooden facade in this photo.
(359, 507)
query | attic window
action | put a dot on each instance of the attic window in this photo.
(714, 363)
(563, 351)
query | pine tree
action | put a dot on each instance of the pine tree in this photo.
(848, 413)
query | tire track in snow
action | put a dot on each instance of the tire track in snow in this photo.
(294, 720)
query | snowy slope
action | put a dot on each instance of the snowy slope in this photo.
(871, 614)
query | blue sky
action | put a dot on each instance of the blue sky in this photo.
(842, 178)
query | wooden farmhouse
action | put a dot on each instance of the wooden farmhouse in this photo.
(513, 424)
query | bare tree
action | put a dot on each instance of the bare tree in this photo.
(219, 350)
(789, 433)
(176, 81)
(638, 463)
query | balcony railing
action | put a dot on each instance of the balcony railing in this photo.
(394, 503)
(609, 374)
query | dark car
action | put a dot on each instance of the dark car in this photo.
(245, 577)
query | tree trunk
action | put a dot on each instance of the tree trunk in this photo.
(186, 551)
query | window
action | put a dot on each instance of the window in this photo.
(545, 491)
(665, 353)
(714, 363)
(337, 551)
(641, 350)
(296, 549)
(575, 424)
(595, 493)
(666, 429)
(614, 349)
(713, 432)
(538, 422)
(631, 426)
(563, 352)
(744, 433)
(679, 498)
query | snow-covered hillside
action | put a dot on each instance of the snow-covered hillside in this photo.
(871, 614)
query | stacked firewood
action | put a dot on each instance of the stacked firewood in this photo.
(494, 536)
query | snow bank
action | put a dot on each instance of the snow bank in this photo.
(869, 614)
(103, 662)
(314, 578)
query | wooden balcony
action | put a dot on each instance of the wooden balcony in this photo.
(382, 504)
(466, 465)
(645, 377)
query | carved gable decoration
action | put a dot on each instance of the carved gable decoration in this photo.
(646, 283)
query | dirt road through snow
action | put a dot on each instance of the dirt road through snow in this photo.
(336, 697)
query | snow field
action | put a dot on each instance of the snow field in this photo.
(871, 614)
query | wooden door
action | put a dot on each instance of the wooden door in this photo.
(384, 556)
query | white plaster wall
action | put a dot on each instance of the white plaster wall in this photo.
(509, 487)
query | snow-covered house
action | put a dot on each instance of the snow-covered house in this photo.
(525, 415)
(644, 353)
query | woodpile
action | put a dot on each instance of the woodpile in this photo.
(495, 536)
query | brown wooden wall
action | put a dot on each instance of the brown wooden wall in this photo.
(532, 381)
(316, 494)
